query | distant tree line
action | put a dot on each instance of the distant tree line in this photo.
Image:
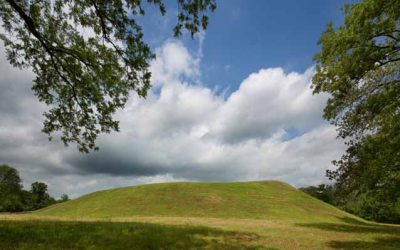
(362, 206)
(322, 192)
(13, 198)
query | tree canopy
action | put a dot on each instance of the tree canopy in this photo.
(322, 192)
(10, 189)
(359, 66)
(87, 56)
(39, 196)
(14, 199)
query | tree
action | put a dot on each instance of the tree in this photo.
(10, 190)
(14, 199)
(64, 197)
(359, 66)
(40, 197)
(322, 192)
(87, 56)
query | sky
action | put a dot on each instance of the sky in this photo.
(233, 104)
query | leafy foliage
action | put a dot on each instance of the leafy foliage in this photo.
(322, 192)
(40, 197)
(10, 189)
(64, 197)
(14, 199)
(87, 56)
(359, 66)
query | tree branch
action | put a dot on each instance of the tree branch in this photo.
(32, 28)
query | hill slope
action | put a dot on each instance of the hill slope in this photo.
(271, 200)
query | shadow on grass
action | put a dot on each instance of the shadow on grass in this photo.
(390, 234)
(112, 235)
(392, 243)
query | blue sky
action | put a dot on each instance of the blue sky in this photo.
(264, 34)
(244, 36)
(233, 104)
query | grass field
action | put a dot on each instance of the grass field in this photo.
(251, 215)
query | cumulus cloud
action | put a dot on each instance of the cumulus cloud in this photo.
(267, 101)
(173, 63)
(269, 128)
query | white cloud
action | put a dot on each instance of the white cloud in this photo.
(172, 63)
(267, 101)
(270, 128)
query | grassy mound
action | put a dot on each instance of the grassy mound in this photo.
(271, 200)
(241, 215)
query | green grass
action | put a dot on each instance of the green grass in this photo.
(103, 235)
(248, 215)
(250, 200)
